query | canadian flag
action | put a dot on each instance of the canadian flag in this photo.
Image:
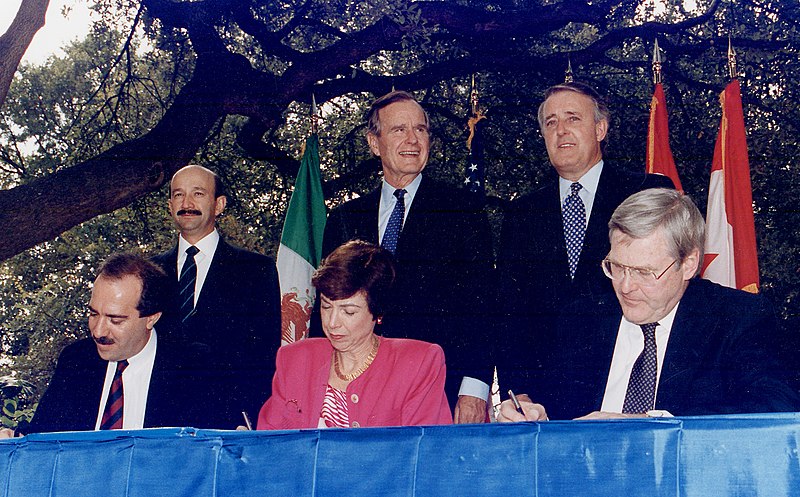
(731, 258)
(659, 156)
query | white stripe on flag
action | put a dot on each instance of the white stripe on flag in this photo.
(297, 294)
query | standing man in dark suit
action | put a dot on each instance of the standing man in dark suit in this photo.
(554, 238)
(542, 270)
(673, 342)
(152, 389)
(225, 300)
(441, 242)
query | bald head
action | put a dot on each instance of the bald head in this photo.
(196, 199)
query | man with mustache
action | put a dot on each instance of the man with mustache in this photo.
(441, 243)
(554, 238)
(225, 300)
(125, 376)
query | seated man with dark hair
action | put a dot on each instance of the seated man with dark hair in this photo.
(124, 376)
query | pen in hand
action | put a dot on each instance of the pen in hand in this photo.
(516, 402)
(247, 421)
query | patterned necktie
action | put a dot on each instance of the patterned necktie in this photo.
(392, 233)
(641, 393)
(574, 216)
(112, 415)
(186, 283)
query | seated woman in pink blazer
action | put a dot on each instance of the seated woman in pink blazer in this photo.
(353, 377)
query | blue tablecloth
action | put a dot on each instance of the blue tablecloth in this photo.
(749, 455)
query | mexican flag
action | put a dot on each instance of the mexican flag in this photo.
(301, 246)
(731, 258)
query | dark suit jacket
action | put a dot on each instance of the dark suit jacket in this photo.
(236, 326)
(444, 273)
(73, 396)
(533, 252)
(535, 287)
(721, 358)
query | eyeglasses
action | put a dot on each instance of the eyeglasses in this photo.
(637, 275)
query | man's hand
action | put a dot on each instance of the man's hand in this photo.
(610, 415)
(6, 433)
(469, 409)
(533, 412)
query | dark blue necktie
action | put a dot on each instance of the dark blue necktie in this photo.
(574, 215)
(641, 394)
(186, 283)
(395, 226)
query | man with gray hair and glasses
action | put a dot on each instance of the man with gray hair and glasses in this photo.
(674, 343)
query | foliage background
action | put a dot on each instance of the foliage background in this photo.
(113, 87)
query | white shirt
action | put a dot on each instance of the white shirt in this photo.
(630, 343)
(135, 386)
(388, 201)
(207, 247)
(589, 183)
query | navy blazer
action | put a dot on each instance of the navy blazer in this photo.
(445, 280)
(72, 398)
(721, 358)
(235, 328)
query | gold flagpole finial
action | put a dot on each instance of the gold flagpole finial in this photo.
(656, 64)
(314, 115)
(731, 59)
(473, 97)
(568, 74)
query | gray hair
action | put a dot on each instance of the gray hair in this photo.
(373, 119)
(641, 214)
(600, 108)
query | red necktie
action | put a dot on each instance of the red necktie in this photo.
(112, 416)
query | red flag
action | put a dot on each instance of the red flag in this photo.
(659, 156)
(731, 258)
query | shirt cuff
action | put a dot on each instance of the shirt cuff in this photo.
(474, 388)
(659, 413)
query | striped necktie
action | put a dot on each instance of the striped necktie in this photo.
(186, 283)
(112, 415)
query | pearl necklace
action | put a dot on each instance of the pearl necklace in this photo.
(355, 374)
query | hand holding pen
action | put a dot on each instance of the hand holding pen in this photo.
(520, 408)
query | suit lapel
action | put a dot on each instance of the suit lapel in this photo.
(596, 243)
(411, 240)
(691, 330)
(215, 279)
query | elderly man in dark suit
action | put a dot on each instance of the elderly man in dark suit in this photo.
(441, 242)
(225, 300)
(125, 375)
(672, 342)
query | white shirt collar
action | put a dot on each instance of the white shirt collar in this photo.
(588, 181)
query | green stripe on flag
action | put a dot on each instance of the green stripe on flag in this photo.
(305, 218)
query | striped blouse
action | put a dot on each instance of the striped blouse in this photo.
(334, 409)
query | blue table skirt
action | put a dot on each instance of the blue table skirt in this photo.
(747, 455)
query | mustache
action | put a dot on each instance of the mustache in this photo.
(103, 340)
(189, 211)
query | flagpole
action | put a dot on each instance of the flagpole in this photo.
(658, 156)
(568, 73)
(656, 64)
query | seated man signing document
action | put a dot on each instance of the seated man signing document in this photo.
(673, 343)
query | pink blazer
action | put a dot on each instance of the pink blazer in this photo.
(404, 386)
